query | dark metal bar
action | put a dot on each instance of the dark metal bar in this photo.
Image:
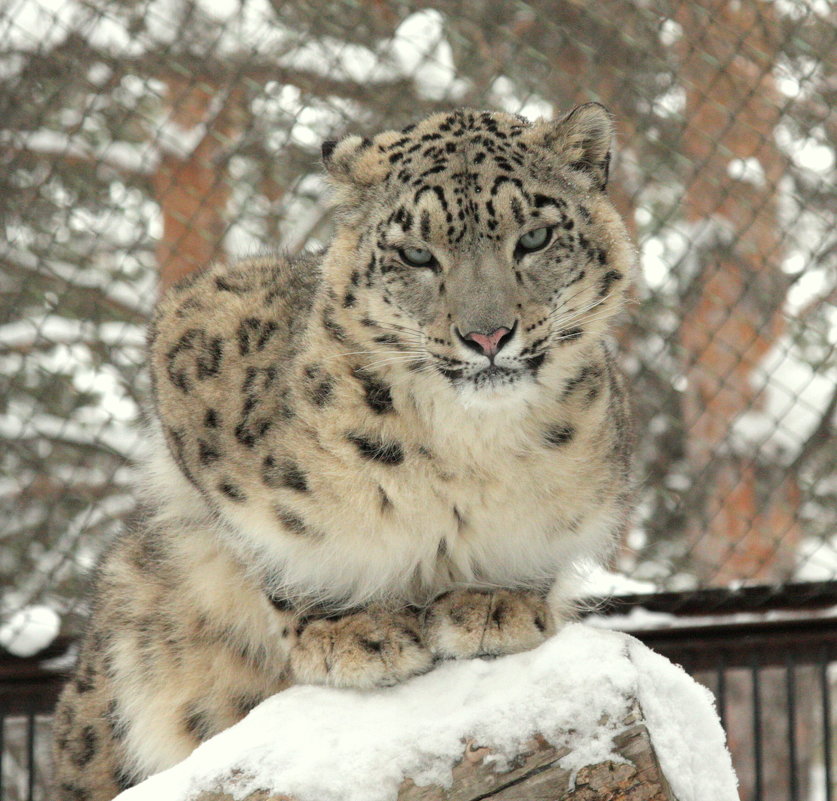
(2, 749)
(763, 642)
(30, 756)
(757, 744)
(721, 691)
(802, 595)
(826, 722)
(26, 686)
(790, 689)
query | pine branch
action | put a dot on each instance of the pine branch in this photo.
(822, 435)
(96, 296)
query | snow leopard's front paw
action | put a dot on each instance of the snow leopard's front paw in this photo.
(467, 623)
(373, 648)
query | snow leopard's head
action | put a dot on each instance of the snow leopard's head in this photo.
(476, 245)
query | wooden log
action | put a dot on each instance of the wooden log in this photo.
(536, 775)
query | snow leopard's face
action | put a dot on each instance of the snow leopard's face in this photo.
(487, 245)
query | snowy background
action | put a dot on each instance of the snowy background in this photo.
(144, 139)
(141, 139)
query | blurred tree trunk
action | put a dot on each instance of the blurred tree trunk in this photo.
(743, 521)
(735, 292)
(191, 183)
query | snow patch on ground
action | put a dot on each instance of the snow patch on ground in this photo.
(637, 619)
(599, 582)
(301, 741)
(29, 630)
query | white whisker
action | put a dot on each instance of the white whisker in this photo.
(399, 328)
(562, 322)
(394, 360)
(590, 319)
(587, 306)
(571, 298)
(374, 353)
(429, 367)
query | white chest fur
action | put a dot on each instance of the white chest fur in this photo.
(479, 499)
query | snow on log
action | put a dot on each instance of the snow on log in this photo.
(590, 715)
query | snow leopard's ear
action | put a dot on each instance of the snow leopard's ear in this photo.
(582, 138)
(354, 161)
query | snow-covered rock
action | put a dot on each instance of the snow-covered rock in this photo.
(575, 692)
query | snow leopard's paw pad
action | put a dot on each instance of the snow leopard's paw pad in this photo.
(468, 623)
(366, 649)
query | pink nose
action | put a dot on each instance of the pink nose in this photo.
(489, 343)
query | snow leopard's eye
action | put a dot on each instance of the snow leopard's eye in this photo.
(534, 240)
(417, 257)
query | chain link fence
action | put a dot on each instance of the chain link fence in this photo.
(142, 139)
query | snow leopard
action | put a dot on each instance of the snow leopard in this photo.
(371, 458)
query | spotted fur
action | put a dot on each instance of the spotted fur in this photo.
(344, 486)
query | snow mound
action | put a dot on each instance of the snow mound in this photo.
(29, 630)
(344, 745)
